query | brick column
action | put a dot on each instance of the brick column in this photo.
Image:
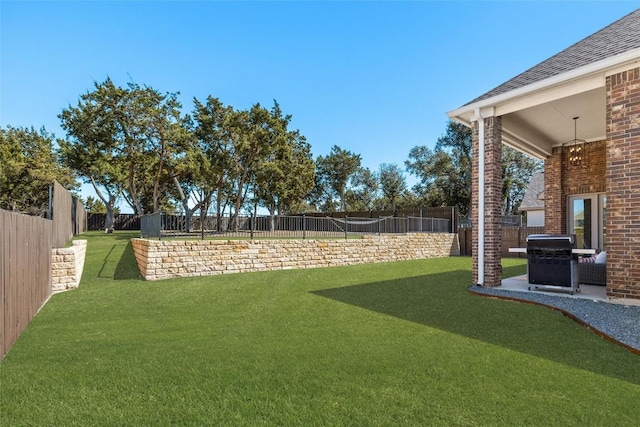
(622, 183)
(492, 200)
(554, 197)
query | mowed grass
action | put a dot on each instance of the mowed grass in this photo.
(374, 345)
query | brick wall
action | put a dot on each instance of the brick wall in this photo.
(168, 258)
(623, 184)
(561, 179)
(67, 265)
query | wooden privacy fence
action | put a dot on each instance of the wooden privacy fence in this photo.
(68, 215)
(512, 237)
(25, 278)
(25, 260)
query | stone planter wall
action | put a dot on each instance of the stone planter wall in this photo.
(169, 258)
(67, 265)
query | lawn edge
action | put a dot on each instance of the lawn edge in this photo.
(564, 312)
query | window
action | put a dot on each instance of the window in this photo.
(587, 215)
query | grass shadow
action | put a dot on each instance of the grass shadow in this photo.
(120, 263)
(127, 267)
(439, 301)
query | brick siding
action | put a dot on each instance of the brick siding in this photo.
(561, 179)
(623, 184)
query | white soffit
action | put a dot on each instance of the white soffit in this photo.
(553, 123)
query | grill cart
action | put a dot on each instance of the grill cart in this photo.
(551, 263)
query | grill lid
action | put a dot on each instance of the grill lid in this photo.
(569, 238)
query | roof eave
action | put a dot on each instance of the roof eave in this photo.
(466, 114)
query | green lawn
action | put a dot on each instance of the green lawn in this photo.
(388, 344)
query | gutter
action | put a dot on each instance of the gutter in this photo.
(481, 203)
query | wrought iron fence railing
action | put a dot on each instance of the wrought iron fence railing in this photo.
(161, 225)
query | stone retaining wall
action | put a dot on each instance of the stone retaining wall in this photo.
(169, 258)
(67, 265)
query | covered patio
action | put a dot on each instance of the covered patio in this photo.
(579, 112)
(520, 284)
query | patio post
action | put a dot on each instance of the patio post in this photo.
(486, 199)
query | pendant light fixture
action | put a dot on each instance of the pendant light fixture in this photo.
(575, 147)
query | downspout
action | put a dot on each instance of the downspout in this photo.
(481, 190)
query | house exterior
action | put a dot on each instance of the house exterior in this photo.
(533, 201)
(579, 111)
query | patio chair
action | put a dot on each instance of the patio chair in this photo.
(592, 273)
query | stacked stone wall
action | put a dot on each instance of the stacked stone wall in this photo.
(67, 265)
(169, 259)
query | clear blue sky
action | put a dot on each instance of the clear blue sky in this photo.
(375, 78)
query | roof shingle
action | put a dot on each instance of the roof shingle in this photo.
(618, 37)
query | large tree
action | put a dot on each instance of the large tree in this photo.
(29, 163)
(444, 173)
(93, 149)
(333, 173)
(392, 183)
(249, 158)
(123, 141)
(252, 142)
(211, 162)
(363, 191)
(286, 173)
(155, 135)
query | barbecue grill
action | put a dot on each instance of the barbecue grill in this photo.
(551, 263)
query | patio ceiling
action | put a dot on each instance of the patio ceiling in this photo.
(537, 129)
(539, 119)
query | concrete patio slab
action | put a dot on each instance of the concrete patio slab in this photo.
(520, 284)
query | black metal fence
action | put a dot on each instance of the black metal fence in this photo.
(161, 225)
(96, 221)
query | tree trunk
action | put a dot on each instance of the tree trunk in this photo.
(272, 218)
(156, 184)
(133, 192)
(110, 204)
(109, 220)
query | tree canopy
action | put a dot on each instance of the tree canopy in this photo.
(29, 165)
(134, 143)
(392, 183)
(444, 173)
(333, 173)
